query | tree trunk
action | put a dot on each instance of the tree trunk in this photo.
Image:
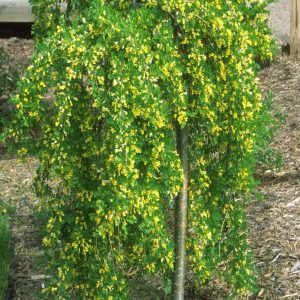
(181, 217)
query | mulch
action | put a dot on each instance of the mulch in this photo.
(275, 221)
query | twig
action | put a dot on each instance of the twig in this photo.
(277, 256)
(40, 277)
(289, 296)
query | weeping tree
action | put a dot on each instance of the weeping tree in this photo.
(144, 116)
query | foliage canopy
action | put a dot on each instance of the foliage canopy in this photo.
(99, 106)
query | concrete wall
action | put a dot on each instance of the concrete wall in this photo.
(15, 11)
(280, 20)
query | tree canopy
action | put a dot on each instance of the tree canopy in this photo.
(109, 83)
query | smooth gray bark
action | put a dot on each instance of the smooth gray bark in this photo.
(181, 218)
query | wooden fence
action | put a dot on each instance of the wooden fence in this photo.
(295, 28)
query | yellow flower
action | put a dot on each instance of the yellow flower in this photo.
(182, 117)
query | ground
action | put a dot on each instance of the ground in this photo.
(274, 222)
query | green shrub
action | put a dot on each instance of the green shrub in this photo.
(266, 126)
(5, 250)
(9, 77)
(110, 86)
